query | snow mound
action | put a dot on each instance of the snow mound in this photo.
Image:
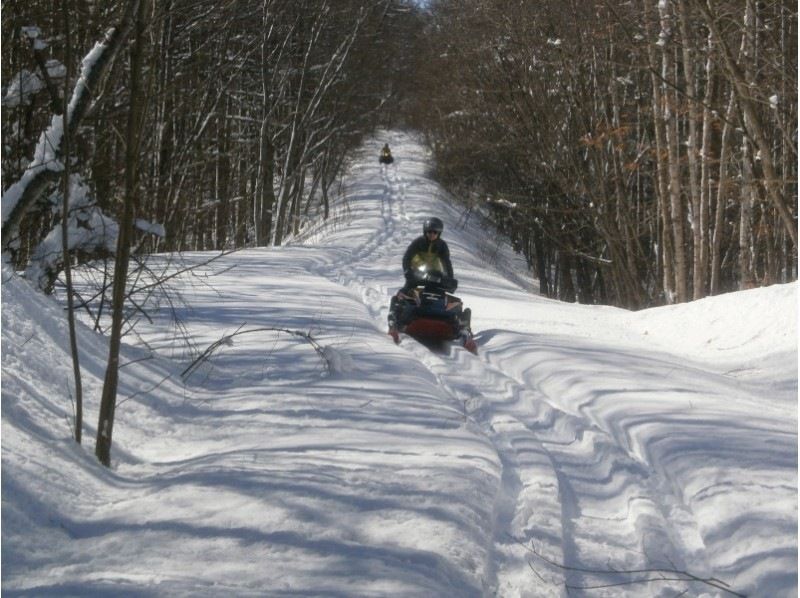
(748, 323)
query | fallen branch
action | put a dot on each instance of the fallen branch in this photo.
(226, 340)
(675, 574)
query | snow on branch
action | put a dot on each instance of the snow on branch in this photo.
(90, 233)
(46, 164)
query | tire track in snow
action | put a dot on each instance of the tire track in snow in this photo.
(528, 503)
(591, 475)
(615, 512)
(385, 245)
(562, 474)
(562, 477)
(379, 246)
(393, 210)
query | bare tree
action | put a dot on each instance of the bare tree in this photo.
(23, 195)
(610, 127)
(73, 341)
(105, 425)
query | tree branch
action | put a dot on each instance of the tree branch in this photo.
(44, 169)
(663, 572)
(226, 339)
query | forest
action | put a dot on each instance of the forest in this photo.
(638, 152)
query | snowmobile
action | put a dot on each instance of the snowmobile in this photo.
(386, 156)
(429, 313)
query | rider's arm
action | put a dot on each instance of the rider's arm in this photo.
(445, 255)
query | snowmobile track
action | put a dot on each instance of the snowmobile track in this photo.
(555, 489)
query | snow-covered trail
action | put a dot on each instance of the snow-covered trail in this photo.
(586, 483)
(600, 439)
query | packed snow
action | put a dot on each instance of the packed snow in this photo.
(638, 454)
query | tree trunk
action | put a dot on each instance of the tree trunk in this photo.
(722, 193)
(297, 199)
(105, 424)
(66, 147)
(702, 256)
(747, 201)
(677, 213)
(698, 233)
(164, 128)
(752, 121)
(566, 289)
(245, 207)
(662, 177)
(265, 200)
(223, 180)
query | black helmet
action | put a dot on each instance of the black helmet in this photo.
(432, 224)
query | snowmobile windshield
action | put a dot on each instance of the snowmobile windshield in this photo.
(426, 275)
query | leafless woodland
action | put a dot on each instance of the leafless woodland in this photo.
(637, 152)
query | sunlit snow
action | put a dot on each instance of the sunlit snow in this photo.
(585, 437)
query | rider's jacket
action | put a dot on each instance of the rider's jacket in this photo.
(434, 254)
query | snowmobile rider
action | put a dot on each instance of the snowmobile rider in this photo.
(432, 252)
(386, 155)
(428, 249)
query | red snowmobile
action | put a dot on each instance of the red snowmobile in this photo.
(429, 313)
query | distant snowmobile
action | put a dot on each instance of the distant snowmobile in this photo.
(430, 314)
(386, 155)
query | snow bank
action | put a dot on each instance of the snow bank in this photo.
(757, 321)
